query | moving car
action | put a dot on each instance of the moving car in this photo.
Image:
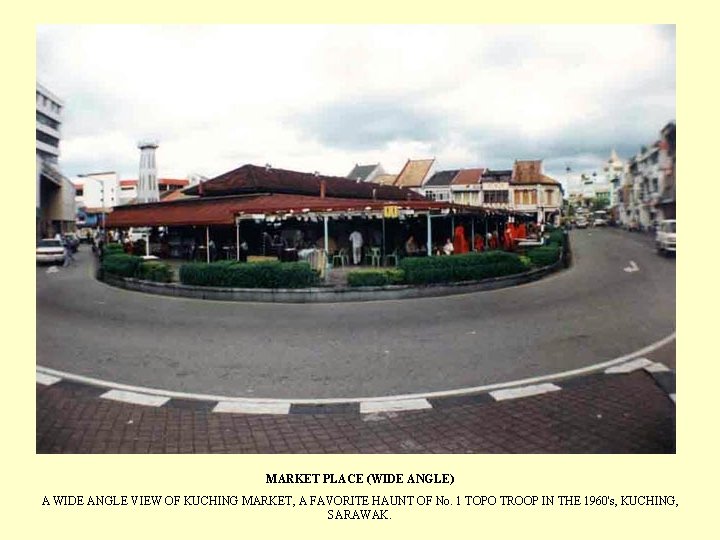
(665, 237)
(581, 222)
(600, 219)
(49, 250)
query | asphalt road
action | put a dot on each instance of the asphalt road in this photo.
(591, 313)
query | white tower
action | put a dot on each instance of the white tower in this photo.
(147, 181)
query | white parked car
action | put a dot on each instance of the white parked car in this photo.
(665, 237)
(49, 250)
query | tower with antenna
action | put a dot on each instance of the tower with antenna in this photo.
(147, 190)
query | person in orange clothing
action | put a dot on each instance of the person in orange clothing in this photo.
(460, 244)
(521, 231)
(479, 243)
(508, 237)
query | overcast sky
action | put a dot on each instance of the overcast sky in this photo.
(326, 97)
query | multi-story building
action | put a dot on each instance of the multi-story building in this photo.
(105, 191)
(437, 187)
(495, 186)
(534, 192)
(466, 187)
(647, 195)
(666, 203)
(614, 172)
(55, 194)
(646, 183)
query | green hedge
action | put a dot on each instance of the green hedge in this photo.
(555, 238)
(113, 248)
(375, 278)
(261, 275)
(155, 271)
(121, 264)
(465, 267)
(545, 255)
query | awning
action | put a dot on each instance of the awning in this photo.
(223, 210)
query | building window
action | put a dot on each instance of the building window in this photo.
(47, 139)
(46, 120)
(525, 197)
(495, 197)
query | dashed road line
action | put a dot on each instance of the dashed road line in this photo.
(627, 367)
(244, 407)
(524, 391)
(45, 379)
(394, 405)
(135, 398)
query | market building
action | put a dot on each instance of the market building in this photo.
(284, 213)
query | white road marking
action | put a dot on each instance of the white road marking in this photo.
(672, 396)
(248, 407)
(524, 391)
(394, 405)
(442, 393)
(135, 398)
(656, 367)
(627, 367)
(51, 270)
(632, 268)
(46, 380)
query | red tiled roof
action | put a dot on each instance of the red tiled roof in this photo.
(530, 172)
(254, 179)
(222, 210)
(164, 181)
(173, 182)
(468, 176)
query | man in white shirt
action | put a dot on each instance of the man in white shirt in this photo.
(356, 240)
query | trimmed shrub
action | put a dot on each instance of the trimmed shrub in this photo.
(465, 267)
(555, 238)
(155, 271)
(261, 275)
(545, 255)
(114, 248)
(121, 264)
(375, 278)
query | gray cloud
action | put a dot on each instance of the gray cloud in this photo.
(368, 124)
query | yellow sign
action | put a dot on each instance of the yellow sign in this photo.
(391, 211)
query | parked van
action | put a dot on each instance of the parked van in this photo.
(665, 237)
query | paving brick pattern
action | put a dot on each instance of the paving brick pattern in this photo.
(626, 413)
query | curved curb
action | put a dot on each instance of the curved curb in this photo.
(328, 295)
(384, 404)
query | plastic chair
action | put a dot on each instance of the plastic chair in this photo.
(342, 257)
(375, 258)
(394, 256)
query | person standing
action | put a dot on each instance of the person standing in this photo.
(356, 240)
(67, 252)
(448, 248)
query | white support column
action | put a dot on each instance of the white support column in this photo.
(472, 233)
(429, 234)
(237, 239)
(207, 243)
(327, 238)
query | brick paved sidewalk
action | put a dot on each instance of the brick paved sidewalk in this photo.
(597, 414)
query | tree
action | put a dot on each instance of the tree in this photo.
(599, 203)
